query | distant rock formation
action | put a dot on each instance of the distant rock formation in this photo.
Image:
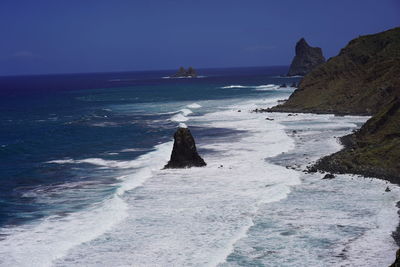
(306, 59)
(183, 73)
(184, 153)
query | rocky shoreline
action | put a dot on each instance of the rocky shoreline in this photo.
(363, 79)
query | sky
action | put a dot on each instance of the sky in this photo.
(73, 36)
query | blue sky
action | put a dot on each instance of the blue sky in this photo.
(70, 36)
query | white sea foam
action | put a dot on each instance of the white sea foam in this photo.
(196, 216)
(233, 86)
(186, 111)
(133, 149)
(41, 243)
(194, 105)
(182, 125)
(179, 118)
(198, 213)
(182, 115)
(266, 87)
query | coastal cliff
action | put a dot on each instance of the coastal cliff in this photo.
(363, 79)
(374, 150)
(306, 59)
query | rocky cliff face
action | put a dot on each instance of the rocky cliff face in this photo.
(184, 153)
(374, 150)
(307, 58)
(183, 73)
(364, 77)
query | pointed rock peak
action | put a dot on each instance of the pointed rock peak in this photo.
(302, 41)
(184, 153)
(306, 59)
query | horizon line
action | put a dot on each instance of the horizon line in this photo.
(127, 71)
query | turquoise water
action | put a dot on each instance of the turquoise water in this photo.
(83, 185)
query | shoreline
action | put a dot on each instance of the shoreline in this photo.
(300, 162)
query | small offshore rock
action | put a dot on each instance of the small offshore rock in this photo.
(387, 189)
(329, 176)
(184, 153)
(183, 73)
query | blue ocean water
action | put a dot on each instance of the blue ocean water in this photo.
(82, 181)
(78, 116)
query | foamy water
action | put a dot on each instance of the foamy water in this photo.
(249, 206)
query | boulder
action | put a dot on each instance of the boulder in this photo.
(184, 153)
(306, 59)
(329, 176)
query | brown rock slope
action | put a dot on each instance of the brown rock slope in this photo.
(364, 77)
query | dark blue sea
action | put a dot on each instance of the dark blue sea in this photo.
(82, 181)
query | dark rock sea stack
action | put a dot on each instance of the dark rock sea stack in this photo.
(183, 73)
(306, 59)
(184, 152)
(364, 77)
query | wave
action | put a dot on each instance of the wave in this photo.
(233, 86)
(256, 87)
(186, 111)
(202, 212)
(41, 243)
(181, 116)
(267, 87)
(194, 105)
(182, 125)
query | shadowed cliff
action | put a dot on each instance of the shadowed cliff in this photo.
(374, 150)
(364, 77)
(306, 59)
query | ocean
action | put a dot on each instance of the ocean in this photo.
(82, 182)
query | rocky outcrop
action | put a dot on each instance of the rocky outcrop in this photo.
(360, 80)
(374, 150)
(306, 59)
(183, 73)
(184, 152)
(396, 263)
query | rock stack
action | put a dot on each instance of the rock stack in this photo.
(183, 73)
(184, 153)
(306, 59)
